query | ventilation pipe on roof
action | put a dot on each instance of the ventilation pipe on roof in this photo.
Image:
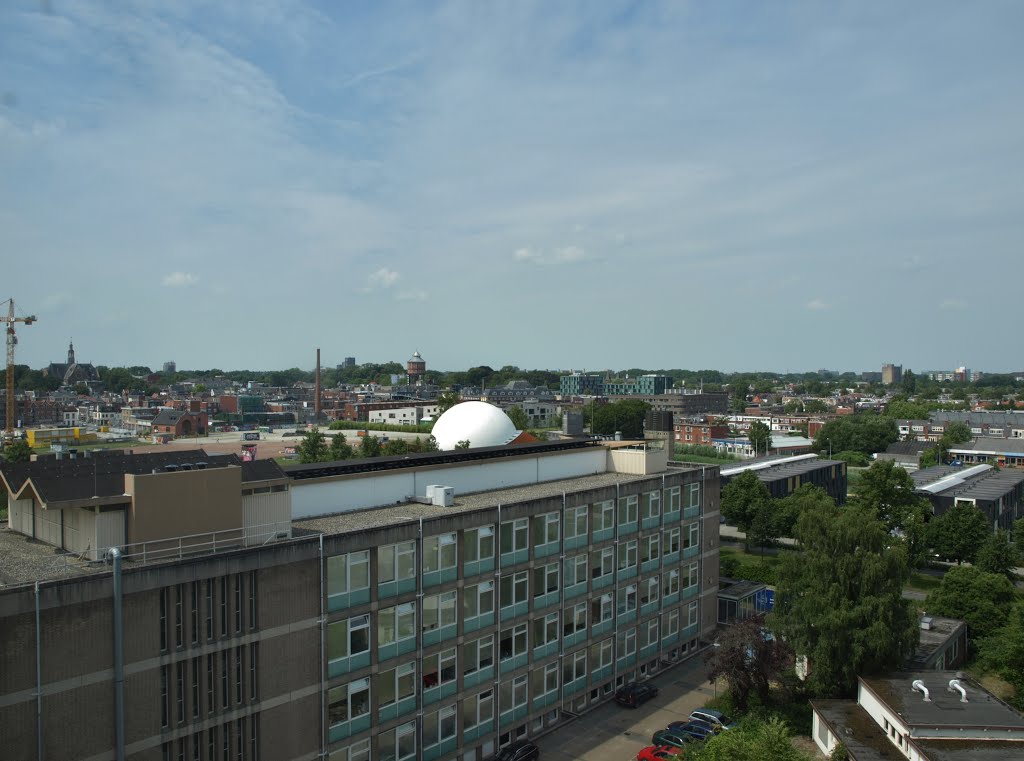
(115, 555)
(918, 686)
(954, 684)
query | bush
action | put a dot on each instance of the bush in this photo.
(356, 425)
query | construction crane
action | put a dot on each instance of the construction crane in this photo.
(12, 341)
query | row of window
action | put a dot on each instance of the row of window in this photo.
(204, 610)
(397, 562)
(237, 740)
(190, 689)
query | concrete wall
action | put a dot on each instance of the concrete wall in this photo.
(184, 503)
(265, 516)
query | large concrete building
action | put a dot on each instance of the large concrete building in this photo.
(434, 606)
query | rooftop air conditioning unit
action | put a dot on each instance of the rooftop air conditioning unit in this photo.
(926, 623)
(442, 496)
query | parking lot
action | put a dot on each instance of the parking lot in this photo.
(611, 732)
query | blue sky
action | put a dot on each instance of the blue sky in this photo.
(732, 185)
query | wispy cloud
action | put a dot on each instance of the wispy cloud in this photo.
(562, 255)
(417, 295)
(179, 280)
(953, 305)
(382, 278)
(817, 305)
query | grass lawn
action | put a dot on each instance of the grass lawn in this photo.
(702, 460)
(923, 582)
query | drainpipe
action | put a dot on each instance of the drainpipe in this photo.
(115, 555)
(323, 656)
(39, 683)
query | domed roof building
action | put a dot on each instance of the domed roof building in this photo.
(479, 423)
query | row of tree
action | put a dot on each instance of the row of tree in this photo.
(315, 447)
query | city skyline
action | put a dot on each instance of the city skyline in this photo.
(656, 185)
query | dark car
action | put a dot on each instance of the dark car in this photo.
(695, 723)
(521, 750)
(711, 716)
(633, 695)
(691, 729)
(666, 737)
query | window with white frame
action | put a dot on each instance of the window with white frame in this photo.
(602, 563)
(439, 610)
(601, 609)
(604, 515)
(513, 642)
(626, 599)
(350, 701)
(575, 570)
(348, 573)
(478, 543)
(691, 574)
(694, 490)
(545, 529)
(515, 535)
(601, 653)
(649, 633)
(674, 499)
(545, 630)
(574, 666)
(513, 693)
(396, 684)
(357, 751)
(515, 588)
(477, 709)
(348, 638)
(625, 642)
(651, 505)
(440, 668)
(627, 554)
(439, 552)
(575, 620)
(672, 622)
(398, 744)
(396, 624)
(478, 599)
(649, 590)
(650, 548)
(478, 655)
(672, 582)
(545, 579)
(693, 614)
(440, 725)
(629, 510)
(545, 680)
(671, 541)
(693, 535)
(576, 521)
(396, 562)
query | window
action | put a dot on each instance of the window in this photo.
(347, 638)
(224, 694)
(545, 579)
(545, 529)
(693, 614)
(396, 624)
(399, 744)
(628, 510)
(163, 620)
(626, 600)
(239, 668)
(604, 515)
(515, 535)
(693, 538)
(478, 654)
(349, 701)
(180, 691)
(575, 570)
(179, 629)
(439, 668)
(691, 575)
(440, 725)
(439, 552)
(396, 684)
(209, 608)
(223, 606)
(238, 602)
(601, 654)
(478, 599)
(253, 667)
(671, 582)
(672, 622)
(347, 573)
(545, 679)
(576, 521)
(211, 684)
(254, 737)
(672, 541)
(513, 642)
(545, 630)
(627, 555)
(601, 609)
(252, 599)
(694, 496)
(439, 610)
(625, 643)
(649, 590)
(574, 666)
(674, 500)
(197, 687)
(478, 543)
(575, 620)
(649, 633)
(652, 504)
(603, 563)
(515, 588)
(477, 709)
(513, 693)
(194, 617)
(396, 562)
(650, 548)
(165, 697)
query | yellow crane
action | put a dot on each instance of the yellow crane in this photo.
(12, 341)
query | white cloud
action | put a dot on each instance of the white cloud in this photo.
(562, 255)
(382, 278)
(953, 305)
(817, 305)
(526, 254)
(417, 295)
(179, 279)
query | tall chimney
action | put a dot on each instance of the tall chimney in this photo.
(316, 404)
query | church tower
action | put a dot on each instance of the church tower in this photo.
(71, 353)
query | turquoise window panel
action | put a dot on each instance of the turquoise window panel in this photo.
(477, 622)
(545, 601)
(626, 618)
(649, 651)
(602, 535)
(627, 662)
(396, 648)
(475, 733)
(599, 675)
(348, 728)
(478, 677)
(649, 608)
(672, 517)
(545, 550)
(393, 588)
(691, 512)
(603, 581)
(575, 542)
(649, 566)
(508, 665)
(690, 592)
(545, 650)
(395, 710)
(436, 578)
(627, 528)
(671, 558)
(671, 639)
(689, 632)
(691, 552)
(441, 749)
(627, 573)
(669, 600)
(440, 634)
(651, 522)
(550, 699)
(435, 694)
(573, 687)
(348, 600)
(476, 567)
(576, 590)
(574, 638)
(346, 665)
(511, 717)
(514, 558)
(513, 611)
(602, 628)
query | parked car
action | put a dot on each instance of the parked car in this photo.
(666, 737)
(633, 695)
(656, 753)
(691, 728)
(521, 750)
(711, 716)
(698, 724)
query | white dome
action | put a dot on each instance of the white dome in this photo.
(479, 423)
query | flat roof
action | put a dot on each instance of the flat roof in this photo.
(786, 470)
(866, 740)
(932, 639)
(738, 588)
(944, 709)
(985, 483)
(991, 445)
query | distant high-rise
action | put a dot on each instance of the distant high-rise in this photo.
(170, 367)
(892, 374)
(349, 362)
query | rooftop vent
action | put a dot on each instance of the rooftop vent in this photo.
(955, 686)
(186, 466)
(918, 686)
(200, 466)
(171, 468)
(926, 623)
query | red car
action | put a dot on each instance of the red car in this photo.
(657, 753)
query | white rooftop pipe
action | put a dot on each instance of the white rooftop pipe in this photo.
(918, 686)
(954, 684)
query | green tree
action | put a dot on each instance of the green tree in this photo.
(908, 384)
(1018, 539)
(888, 490)
(981, 599)
(199, 388)
(626, 416)
(864, 432)
(518, 417)
(958, 533)
(998, 555)
(763, 530)
(957, 433)
(17, 450)
(742, 498)
(340, 448)
(396, 447)
(748, 660)
(760, 437)
(464, 444)
(1003, 652)
(815, 407)
(787, 511)
(839, 601)
(369, 446)
(313, 447)
(81, 389)
(752, 740)
(446, 400)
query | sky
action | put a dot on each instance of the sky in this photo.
(574, 185)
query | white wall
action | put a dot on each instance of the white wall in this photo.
(266, 515)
